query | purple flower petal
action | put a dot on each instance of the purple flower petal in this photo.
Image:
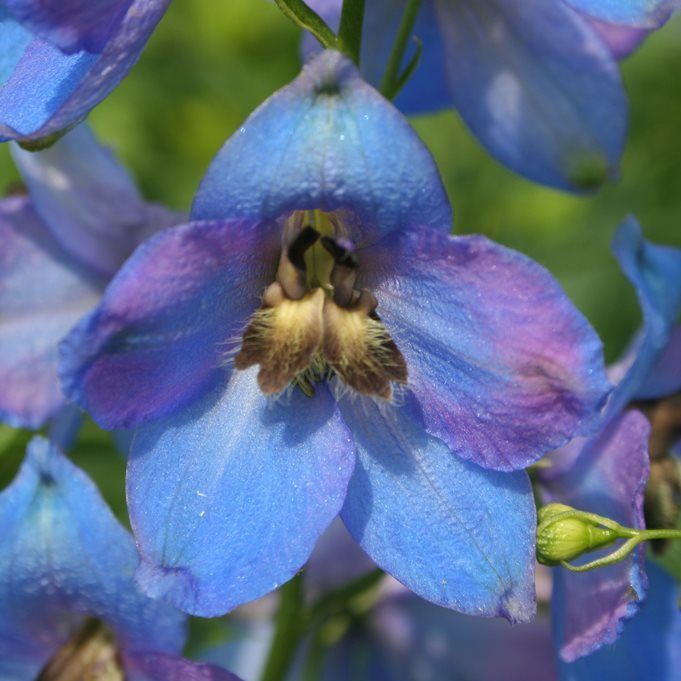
(43, 293)
(664, 378)
(71, 25)
(158, 667)
(327, 141)
(608, 477)
(503, 365)
(538, 87)
(636, 13)
(434, 521)
(164, 328)
(622, 40)
(228, 497)
(63, 556)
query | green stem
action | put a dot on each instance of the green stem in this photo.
(391, 80)
(289, 629)
(350, 31)
(337, 600)
(301, 14)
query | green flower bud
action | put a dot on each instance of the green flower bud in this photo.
(564, 533)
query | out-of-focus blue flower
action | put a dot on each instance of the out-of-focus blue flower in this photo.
(66, 583)
(408, 361)
(536, 81)
(607, 474)
(60, 58)
(61, 244)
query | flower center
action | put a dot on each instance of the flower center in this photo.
(91, 653)
(314, 322)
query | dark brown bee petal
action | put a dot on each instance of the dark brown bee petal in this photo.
(91, 653)
(282, 337)
(360, 350)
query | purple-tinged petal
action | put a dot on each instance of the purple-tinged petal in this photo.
(49, 91)
(664, 378)
(63, 556)
(71, 25)
(43, 293)
(655, 273)
(608, 477)
(538, 87)
(622, 40)
(327, 141)
(504, 366)
(438, 524)
(649, 645)
(87, 199)
(228, 497)
(164, 328)
(635, 13)
(159, 667)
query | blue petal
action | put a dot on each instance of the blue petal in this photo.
(328, 141)
(228, 497)
(50, 91)
(636, 13)
(162, 333)
(43, 292)
(64, 556)
(87, 199)
(503, 364)
(538, 87)
(664, 378)
(71, 25)
(158, 667)
(455, 534)
(655, 272)
(649, 646)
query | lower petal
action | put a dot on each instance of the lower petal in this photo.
(228, 497)
(439, 525)
(157, 667)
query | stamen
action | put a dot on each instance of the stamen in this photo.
(344, 272)
(292, 271)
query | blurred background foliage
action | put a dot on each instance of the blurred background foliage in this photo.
(211, 62)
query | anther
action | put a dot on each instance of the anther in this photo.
(344, 272)
(292, 271)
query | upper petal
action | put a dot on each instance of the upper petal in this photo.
(159, 667)
(655, 272)
(327, 141)
(45, 91)
(608, 477)
(504, 366)
(228, 497)
(165, 326)
(87, 199)
(636, 13)
(64, 556)
(441, 526)
(43, 293)
(622, 40)
(71, 25)
(538, 86)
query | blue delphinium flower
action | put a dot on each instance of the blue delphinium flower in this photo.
(416, 372)
(536, 81)
(607, 473)
(61, 244)
(60, 58)
(68, 601)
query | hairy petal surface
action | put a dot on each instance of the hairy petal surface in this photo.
(43, 293)
(88, 201)
(45, 91)
(228, 497)
(159, 667)
(537, 86)
(168, 320)
(63, 556)
(503, 365)
(636, 13)
(655, 272)
(71, 25)
(607, 476)
(649, 645)
(327, 141)
(439, 525)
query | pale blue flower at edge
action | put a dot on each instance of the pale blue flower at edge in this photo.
(607, 474)
(60, 58)
(61, 244)
(64, 558)
(228, 488)
(536, 81)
